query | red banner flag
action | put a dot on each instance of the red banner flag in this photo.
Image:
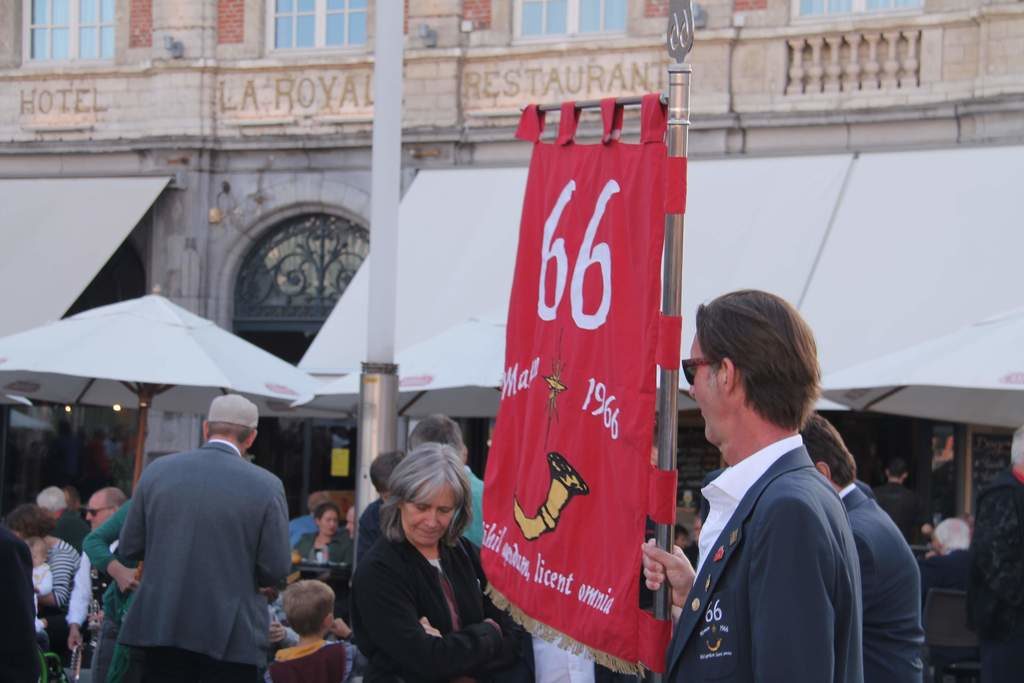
(570, 479)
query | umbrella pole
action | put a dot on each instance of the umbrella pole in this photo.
(145, 393)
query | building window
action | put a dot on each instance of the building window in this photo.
(69, 29)
(822, 8)
(551, 18)
(309, 24)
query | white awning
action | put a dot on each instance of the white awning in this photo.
(924, 243)
(755, 224)
(57, 234)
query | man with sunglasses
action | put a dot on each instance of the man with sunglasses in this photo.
(776, 592)
(89, 585)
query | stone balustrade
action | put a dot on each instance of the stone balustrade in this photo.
(854, 61)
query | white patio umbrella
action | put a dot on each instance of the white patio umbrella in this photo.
(975, 375)
(457, 372)
(147, 351)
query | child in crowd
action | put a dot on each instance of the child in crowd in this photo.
(309, 606)
(42, 582)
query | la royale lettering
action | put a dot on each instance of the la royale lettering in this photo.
(329, 92)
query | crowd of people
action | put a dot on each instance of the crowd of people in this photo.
(800, 571)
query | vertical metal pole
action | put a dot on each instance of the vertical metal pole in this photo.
(679, 42)
(671, 302)
(378, 391)
(307, 461)
(5, 418)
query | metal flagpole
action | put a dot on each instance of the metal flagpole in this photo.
(378, 387)
(679, 43)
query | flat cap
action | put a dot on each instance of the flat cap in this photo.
(234, 409)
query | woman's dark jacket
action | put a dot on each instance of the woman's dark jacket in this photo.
(995, 592)
(338, 550)
(394, 586)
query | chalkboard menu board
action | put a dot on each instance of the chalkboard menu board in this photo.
(696, 458)
(990, 456)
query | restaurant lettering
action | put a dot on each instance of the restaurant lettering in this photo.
(492, 83)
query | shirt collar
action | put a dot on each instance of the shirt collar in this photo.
(736, 480)
(226, 443)
(846, 490)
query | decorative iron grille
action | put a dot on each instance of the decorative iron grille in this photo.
(295, 275)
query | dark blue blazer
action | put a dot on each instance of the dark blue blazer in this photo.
(19, 657)
(779, 597)
(951, 570)
(368, 530)
(891, 594)
(865, 489)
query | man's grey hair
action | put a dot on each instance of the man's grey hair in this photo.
(113, 496)
(953, 534)
(52, 499)
(438, 429)
(1017, 449)
(426, 471)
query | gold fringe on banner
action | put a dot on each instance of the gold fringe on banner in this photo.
(563, 641)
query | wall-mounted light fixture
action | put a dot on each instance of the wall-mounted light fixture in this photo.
(427, 35)
(700, 16)
(175, 48)
(223, 204)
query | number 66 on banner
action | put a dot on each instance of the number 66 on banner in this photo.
(590, 254)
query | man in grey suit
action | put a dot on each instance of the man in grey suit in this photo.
(212, 530)
(776, 593)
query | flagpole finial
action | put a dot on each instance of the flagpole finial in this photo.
(679, 35)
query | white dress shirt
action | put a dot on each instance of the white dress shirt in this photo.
(725, 493)
(846, 490)
(227, 443)
(552, 664)
(81, 591)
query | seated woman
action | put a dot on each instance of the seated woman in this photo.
(28, 520)
(326, 545)
(418, 608)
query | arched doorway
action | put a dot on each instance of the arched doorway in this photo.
(287, 285)
(292, 278)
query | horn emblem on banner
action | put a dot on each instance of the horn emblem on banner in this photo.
(566, 482)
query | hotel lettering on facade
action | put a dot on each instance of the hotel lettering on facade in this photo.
(250, 122)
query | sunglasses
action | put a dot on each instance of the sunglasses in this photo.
(690, 366)
(89, 512)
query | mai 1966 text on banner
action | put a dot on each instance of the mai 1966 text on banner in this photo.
(569, 480)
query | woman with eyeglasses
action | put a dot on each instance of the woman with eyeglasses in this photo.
(419, 612)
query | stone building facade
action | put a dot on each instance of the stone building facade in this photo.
(198, 90)
(260, 111)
